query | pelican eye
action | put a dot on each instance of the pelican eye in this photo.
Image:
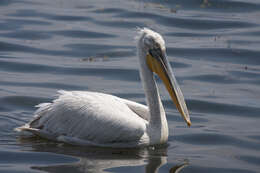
(155, 52)
(157, 45)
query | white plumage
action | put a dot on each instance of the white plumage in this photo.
(91, 118)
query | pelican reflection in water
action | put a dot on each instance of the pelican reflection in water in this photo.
(97, 119)
(103, 160)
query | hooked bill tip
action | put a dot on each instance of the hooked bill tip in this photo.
(189, 123)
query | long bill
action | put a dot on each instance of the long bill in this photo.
(158, 63)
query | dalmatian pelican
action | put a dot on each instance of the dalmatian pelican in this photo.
(98, 119)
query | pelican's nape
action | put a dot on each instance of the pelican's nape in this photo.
(91, 118)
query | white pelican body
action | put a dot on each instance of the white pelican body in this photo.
(90, 118)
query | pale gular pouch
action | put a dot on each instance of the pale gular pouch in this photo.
(157, 63)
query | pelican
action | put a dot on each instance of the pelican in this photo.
(98, 119)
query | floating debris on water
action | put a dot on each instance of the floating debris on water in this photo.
(95, 59)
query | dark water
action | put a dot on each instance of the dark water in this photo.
(214, 47)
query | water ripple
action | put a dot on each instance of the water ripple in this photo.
(27, 35)
(197, 24)
(225, 109)
(35, 14)
(241, 56)
(216, 139)
(44, 85)
(217, 170)
(250, 159)
(76, 51)
(83, 34)
(24, 102)
(36, 68)
(212, 79)
(34, 158)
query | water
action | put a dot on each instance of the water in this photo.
(213, 47)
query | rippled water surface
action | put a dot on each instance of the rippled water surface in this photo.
(213, 46)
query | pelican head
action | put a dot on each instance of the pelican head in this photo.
(153, 53)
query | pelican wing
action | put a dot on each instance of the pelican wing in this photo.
(138, 108)
(88, 116)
